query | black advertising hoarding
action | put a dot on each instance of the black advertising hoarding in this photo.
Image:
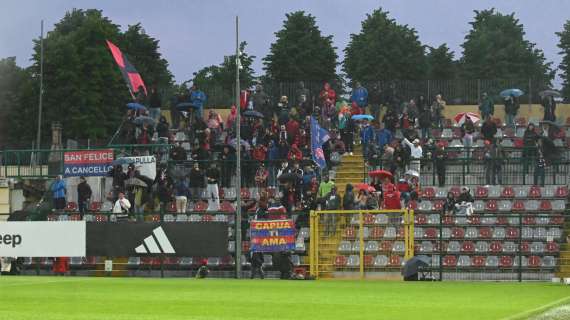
(193, 239)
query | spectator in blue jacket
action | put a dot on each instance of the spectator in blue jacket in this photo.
(198, 99)
(383, 137)
(360, 96)
(59, 191)
(367, 137)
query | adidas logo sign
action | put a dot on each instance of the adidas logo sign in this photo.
(157, 242)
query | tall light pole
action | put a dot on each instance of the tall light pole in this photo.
(238, 160)
(39, 133)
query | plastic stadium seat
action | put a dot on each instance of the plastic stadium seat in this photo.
(524, 261)
(489, 220)
(75, 217)
(449, 261)
(426, 247)
(521, 191)
(545, 205)
(548, 262)
(428, 193)
(505, 262)
(475, 220)
(430, 233)
(369, 219)
(508, 192)
(87, 217)
(399, 247)
(371, 246)
(462, 220)
(380, 261)
(418, 233)
(436, 133)
(200, 206)
(548, 191)
(496, 247)
(386, 246)
(529, 220)
(455, 190)
(101, 218)
(441, 193)
(219, 218)
(425, 206)
(446, 133)
(512, 233)
(534, 192)
(446, 233)
(181, 218)
(492, 262)
(518, 143)
(536, 247)
(505, 205)
(499, 233)
(464, 262)
(552, 247)
(481, 192)
(518, 205)
(213, 262)
(395, 261)
(555, 233)
(534, 261)
(491, 205)
(541, 220)
(453, 247)
(478, 261)
(485, 233)
(509, 247)
(457, 233)
(478, 206)
(353, 261)
(509, 132)
(376, 232)
(355, 246)
(340, 261)
(481, 247)
(227, 207)
(195, 218)
(245, 193)
(171, 207)
(447, 220)
(502, 220)
(390, 233)
(558, 205)
(368, 260)
(471, 233)
(349, 233)
(63, 217)
(468, 247)
(455, 143)
(525, 247)
(71, 206)
(527, 233)
(133, 262)
(438, 205)
(507, 143)
(520, 132)
(557, 219)
(539, 233)
(562, 192)
(153, 217)
(420, 219)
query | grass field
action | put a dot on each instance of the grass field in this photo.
(135, 298)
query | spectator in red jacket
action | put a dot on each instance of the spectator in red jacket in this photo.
(294, 153)
(391, 197)
(292, 128)
(261, 176)
(327, 95)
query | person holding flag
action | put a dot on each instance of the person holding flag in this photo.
(319, 136)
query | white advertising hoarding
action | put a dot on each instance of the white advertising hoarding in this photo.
(42, 239)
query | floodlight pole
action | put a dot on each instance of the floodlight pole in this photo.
(39, 133)
(238, 161)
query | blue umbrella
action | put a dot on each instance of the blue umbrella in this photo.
(511, 92)
(135, 106)
(363, 117)
(185, 106)
(144, 120)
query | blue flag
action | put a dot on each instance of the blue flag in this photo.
(318, 137)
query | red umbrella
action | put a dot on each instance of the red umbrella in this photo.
(381, 174)
(462, 116)
(365, 186)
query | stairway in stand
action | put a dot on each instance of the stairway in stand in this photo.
(564, 260)
(351, 170)
(119, 268)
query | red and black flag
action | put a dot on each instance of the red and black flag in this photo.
(130, 74)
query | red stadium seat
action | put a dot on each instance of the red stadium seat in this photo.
(413, 205)
(438, 205)
(101, 218)
(478, 261)
(556, 220)
(430, 233)
(508, 192)
(369, 219)
(340, 261)
(552, 247)
(207, 218)
(534, 192)
(172, 207)
(395, 261)
(518, 205)
(562, 192)
(545, 205)
(386, 246)
(75, 217)
(350, 233)
(534, 261)
(525, 247)
(505, 261)
(227, 207)
(449, 261)
(457, 233)
(521, 122)
(456, 191)
(481, 192)
(512, 233)
(245, 194)
(474, 219)
(377, 232)
(420, 219)
(368, 260)
(200, 206)
(496, 247)
(519, 143)
(485, 232)
(491, 205)
(95, 206)
(71, 206)
(529, 220)
(448, 220)
(428, 193)
(221, 193)
(468, 247)
(436, 133)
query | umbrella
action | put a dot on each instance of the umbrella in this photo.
(549, 93)
(185, 106)
(413, 173)
(462, 116)
(135, 182)
(362, 117)
(380, 174)
(253, 114)
(511, 92)
(144, 120)
(414, 264)
(122, 161)
(364, 186)
(288, 177)
(135, 106)
(548, 122)
(244, 143)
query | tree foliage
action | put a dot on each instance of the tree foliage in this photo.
(301, 52)
(384, 50)
(12, 79)
(440, 63)
(564, 67)
(496, 48)
(218, 82)
(83, 87)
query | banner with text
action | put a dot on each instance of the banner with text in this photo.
(87, 163)
(146, 165)
(42, 239)
(272, 236)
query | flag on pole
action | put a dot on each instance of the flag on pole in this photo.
(318, 137)
(130, 74)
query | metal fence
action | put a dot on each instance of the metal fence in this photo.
(454, 91)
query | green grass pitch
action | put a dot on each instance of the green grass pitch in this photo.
(78, 298)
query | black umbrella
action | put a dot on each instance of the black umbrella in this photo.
(253, 114)
(185, 106)
(288, 177)
(549, 123)
(135, 182)
(412, 266)
(144, 120)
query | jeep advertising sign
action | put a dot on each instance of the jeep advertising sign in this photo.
(42, 239)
